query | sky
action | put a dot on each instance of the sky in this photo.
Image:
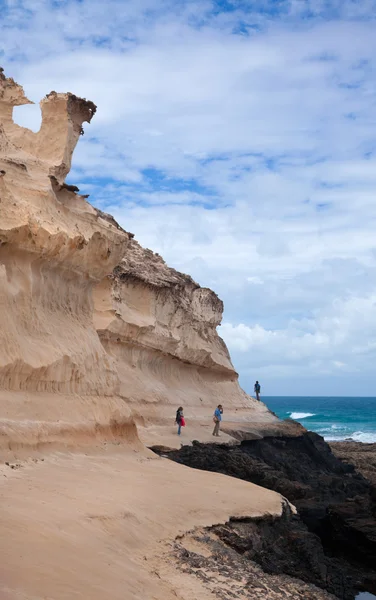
(237, 139)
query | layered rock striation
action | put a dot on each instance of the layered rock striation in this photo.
(53, 250)
(160, 327)
(86, 312)
(99, 335)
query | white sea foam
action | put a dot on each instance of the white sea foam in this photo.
(301, 415)
(332, 429)
(358, 436)
(366, 438)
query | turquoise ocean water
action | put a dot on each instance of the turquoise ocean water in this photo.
(337, 418)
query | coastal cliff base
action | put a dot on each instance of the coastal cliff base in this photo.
(332, 541)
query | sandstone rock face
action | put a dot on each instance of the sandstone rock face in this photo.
(85, 312)
(160, 327)
(53, 250)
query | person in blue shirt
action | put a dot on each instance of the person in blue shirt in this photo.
(217, 418)
(257, 390)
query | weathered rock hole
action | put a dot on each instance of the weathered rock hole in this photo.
(29, 116)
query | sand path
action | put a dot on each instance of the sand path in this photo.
(90, 525)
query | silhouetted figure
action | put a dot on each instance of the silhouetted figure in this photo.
(257, 390)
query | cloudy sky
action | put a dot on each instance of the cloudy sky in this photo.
(238, 139)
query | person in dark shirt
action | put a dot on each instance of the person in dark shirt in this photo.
(257, 390)
(179, 419)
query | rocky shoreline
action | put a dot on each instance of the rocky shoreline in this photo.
(359, 454)
(331, 542)
(234, 561)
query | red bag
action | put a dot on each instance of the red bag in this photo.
(182, 422)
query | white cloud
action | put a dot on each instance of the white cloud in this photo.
(247, 160)
(342, 336)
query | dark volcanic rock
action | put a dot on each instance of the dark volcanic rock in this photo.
(246, 559)
(362, 456)
(285, 545)
(334, 501)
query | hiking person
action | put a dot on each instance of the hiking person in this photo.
(257, 390)
(217, 418)
(180, 419)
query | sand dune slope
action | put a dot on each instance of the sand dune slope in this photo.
(91, 526)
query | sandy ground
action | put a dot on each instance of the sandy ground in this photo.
(91, 525)
(37, 419)
(166, 435)
(201, 429)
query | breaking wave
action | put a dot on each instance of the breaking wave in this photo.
(366, 438)
(357, 436)
(301, 415)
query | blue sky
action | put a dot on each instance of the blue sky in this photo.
(238, 140)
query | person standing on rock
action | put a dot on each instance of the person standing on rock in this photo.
(217, 418)
(180, 421)
(257, 390)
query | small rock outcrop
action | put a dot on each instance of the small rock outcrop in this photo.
(361, 455)
(335, 503)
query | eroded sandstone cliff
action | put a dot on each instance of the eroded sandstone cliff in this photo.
(86, 312)
(99, 335)
(53, 250)
(160, 328)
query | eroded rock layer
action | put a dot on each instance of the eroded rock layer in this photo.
(53, 250)
(160, 328)
(85, 311)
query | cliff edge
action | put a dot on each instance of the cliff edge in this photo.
(94, 328)
(100, 340)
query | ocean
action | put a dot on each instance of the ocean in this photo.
(335, 418)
